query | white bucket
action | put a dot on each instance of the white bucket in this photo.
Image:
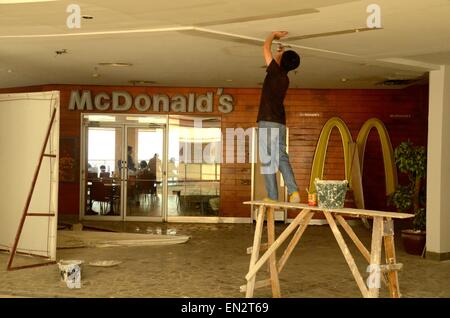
(70, 271)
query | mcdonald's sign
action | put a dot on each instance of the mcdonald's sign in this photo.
(354, 155)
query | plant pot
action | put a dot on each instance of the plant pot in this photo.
(414, 241)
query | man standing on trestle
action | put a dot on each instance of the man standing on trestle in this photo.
(272, 119)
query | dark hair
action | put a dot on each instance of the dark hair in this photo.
(143, 164)
(102, 167)
(290, 60)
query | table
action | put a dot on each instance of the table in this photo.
(382, 231)
(109, 183)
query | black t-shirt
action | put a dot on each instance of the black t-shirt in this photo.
(274, 89)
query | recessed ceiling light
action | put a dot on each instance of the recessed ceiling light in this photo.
(115, 64)
(344, 79)
(229, 80)
(9, 71)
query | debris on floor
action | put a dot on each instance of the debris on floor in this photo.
(73, 239)
(104, 263)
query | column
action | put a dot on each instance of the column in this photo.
(438, 169)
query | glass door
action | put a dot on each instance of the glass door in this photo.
(144, 164)
(101, 175)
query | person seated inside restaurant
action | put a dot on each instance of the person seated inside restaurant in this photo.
(143, 165)
(92, 172)
(103, 173)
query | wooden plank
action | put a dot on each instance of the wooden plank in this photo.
(391, 267)
(389, 251)
(276, 292)
(344, 211)
(283, 236)
(258, 284)
(255, 251)
(375, 257)
(293, 243)
(262, 247)
(40, 214)
(347, 255)
(14, 268)
(364, 251)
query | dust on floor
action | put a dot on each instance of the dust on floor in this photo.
(213, 263)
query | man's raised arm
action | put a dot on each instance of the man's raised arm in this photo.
(268, 46)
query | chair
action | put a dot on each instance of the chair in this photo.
(100, 194)
(105, 175)
(214, 204)
(92, 175)
(145, 187)
(153, 189)
(131, 189)
(178, 194)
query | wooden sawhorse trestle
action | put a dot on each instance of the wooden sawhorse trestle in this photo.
(382, 230)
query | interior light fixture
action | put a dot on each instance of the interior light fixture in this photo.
(103, 118)
(115, 64)
(141, 82)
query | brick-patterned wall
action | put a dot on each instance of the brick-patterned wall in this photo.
(353, 106)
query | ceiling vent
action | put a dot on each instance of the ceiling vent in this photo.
(397, 82)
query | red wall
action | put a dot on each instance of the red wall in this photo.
(353, 106)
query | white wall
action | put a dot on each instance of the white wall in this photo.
(24, 120)
(438, 173)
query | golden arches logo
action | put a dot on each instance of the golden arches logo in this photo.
(354, 158)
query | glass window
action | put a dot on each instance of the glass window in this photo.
(194, 165)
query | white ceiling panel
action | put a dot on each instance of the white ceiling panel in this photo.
(218, 43)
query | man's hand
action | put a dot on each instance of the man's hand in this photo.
(279, 34)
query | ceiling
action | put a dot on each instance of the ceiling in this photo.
(218, 43)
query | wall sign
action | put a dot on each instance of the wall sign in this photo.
(124, 101)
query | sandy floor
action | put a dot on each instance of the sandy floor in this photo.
(213, 263)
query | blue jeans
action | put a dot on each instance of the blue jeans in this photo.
(273, 157)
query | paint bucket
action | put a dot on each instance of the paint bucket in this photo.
(70, 272)
(312, 199)
(331, 193)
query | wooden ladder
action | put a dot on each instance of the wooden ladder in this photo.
(25, 213)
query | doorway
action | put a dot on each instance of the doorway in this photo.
(123, 174)
(155, 168)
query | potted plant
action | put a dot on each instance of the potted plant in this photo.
(411, 160)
